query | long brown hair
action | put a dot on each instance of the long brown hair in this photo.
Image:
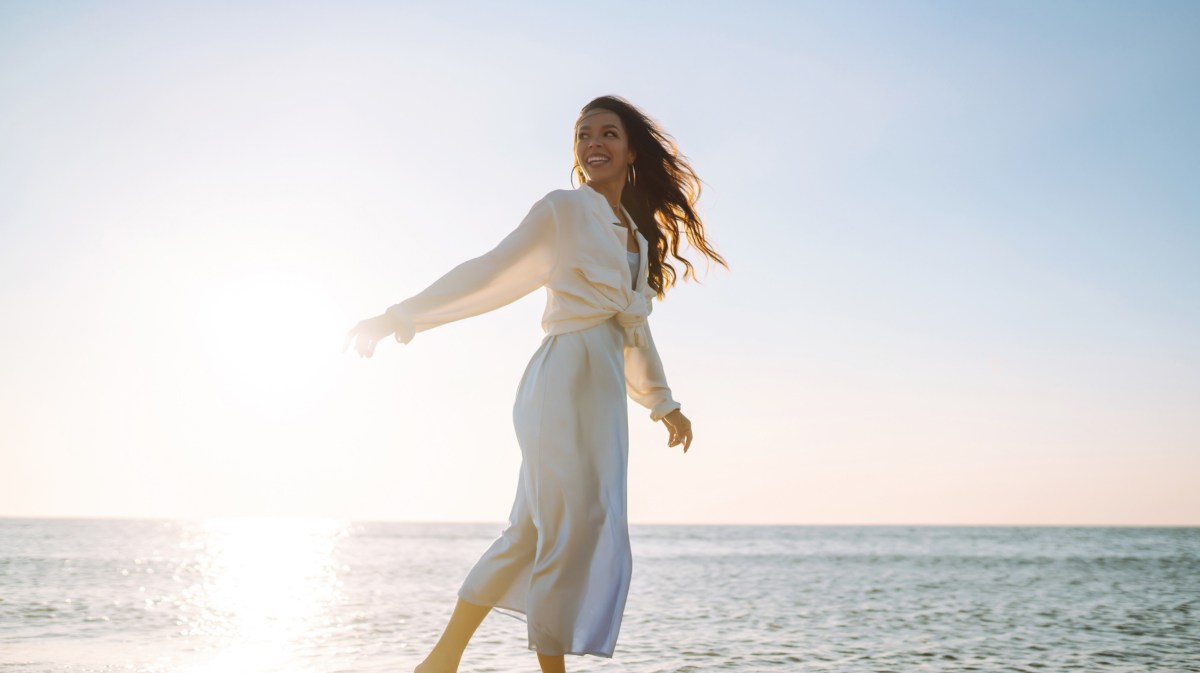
(662, 200)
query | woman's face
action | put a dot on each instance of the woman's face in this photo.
(601, 147)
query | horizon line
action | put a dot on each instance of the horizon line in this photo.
(283, 517)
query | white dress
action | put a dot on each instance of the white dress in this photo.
(563, 563)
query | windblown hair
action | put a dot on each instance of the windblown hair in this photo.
(662, 200)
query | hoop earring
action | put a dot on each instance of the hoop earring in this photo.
(574, 171)
(631, 176)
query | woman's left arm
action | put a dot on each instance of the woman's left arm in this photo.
(646, 383)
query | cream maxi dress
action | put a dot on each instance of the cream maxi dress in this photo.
(563, 563)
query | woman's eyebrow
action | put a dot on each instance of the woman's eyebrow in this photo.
(606, 126)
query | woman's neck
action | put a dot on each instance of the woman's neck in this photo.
(611, 192)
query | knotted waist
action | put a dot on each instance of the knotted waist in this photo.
(632, 320)
(604, 298)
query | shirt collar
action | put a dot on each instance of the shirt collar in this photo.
(603, 209)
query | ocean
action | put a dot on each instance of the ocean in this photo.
(312, 595)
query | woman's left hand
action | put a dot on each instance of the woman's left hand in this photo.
(368, 332)
(680, 428)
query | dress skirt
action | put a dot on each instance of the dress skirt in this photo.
(563, 562)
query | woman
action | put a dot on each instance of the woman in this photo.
(563, 562)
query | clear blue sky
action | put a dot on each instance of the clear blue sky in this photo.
(963, 240)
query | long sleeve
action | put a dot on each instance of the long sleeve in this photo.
(518, 265)
(645, 380)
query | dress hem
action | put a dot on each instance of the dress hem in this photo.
(523, 617)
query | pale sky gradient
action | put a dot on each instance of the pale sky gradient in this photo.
(964, 240)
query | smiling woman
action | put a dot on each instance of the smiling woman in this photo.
(563, 564)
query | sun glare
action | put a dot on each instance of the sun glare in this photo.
(268, 339)
(269, 583)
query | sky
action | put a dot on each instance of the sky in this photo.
(962, 240)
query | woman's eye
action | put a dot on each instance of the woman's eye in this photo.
(611, 133)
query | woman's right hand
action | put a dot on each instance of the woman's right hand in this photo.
(369, 332)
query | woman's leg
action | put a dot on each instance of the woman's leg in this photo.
(551, 664)
(449, 649)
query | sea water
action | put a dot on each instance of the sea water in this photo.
(301, 595)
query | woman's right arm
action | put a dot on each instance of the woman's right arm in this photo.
(518, 265)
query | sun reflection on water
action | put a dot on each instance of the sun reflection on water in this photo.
(266, 588)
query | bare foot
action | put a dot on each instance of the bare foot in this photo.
(434, 665)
